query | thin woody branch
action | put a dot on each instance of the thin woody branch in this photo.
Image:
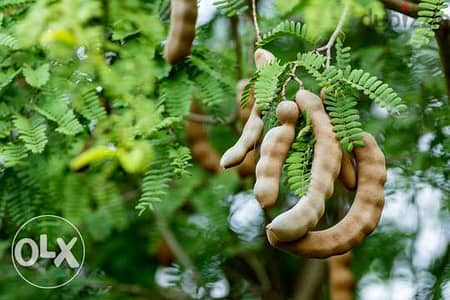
(405, 7)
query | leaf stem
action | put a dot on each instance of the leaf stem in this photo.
(335, 34)
(255, 21)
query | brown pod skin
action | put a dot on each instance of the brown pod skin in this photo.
(201, 149)
(274, 149)
(361, 219)
(263, 57)
(253, 129)
(247, 167)
(182, 30)
(341, 277)
(304, 216)
(348, 172)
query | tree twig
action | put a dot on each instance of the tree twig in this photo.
(311, 277)
(174, 246)
(237, 45)
(200, 118)
(443, 40)
(255, 21)
(335, 34)
(405, 7)
(123, 288)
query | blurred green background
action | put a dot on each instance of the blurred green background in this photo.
(77, 75)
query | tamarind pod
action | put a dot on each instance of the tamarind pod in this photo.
(323, 94)
(361, 219)
(274, 149)
(263, 57)
(296, 222)
(341, 277)
(182, 30)
(247, 167)
(250, 136)
(197, 138)
(348, 173)
(252, 131)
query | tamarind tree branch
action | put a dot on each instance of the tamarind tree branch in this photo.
(311, 277)
(129, 289)
(200, 118)
(405, 7)
(335, 34)
(237, 45)
(255, 21)
(174, 246)
(443, 40)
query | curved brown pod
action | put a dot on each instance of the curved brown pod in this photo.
(274, 149)
(362, 217)
(253, 129)
(247, 167)
(182, 30)
(297, 221)
(341, 277)
(197, 138)
(348, 172)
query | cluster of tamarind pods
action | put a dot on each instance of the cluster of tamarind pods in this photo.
(292, 230)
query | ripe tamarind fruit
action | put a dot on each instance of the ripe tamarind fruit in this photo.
(361, 219)
(247, 167)
(274, 149)
(252, 131)
(197, 138)
(348, 173)
(182, 30)
(263, 57)
(296, 222)
(341, 277)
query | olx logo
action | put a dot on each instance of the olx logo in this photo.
(58, 249)
(42, 252)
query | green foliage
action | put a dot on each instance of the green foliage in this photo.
(343, 55)
(378, 91)
(36, 77)
(358, 79)
(55, 108)
(430, 17)
(13, 4)
(89, 106)
(299, 160)
(267, 86)
(341, 105)
(155, 183)
(77, 75)
(7, 40)
(287, 28)
(32, 132)
(231, 7)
